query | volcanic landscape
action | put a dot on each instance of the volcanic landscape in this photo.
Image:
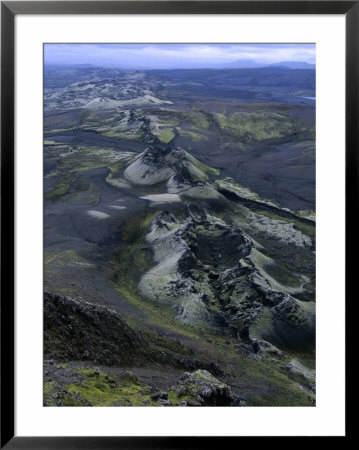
(179, 237)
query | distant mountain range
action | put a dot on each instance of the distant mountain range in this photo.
(294, 65)
(248, 64)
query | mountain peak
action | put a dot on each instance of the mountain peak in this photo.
(294, 65)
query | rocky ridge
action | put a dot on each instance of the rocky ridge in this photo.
(178, 174)
(112, 93)
(75, 330)
(214, 275)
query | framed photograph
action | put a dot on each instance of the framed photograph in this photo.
(174, 177)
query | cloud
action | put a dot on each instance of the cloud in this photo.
(175, 55)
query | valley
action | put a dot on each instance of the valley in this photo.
(179, 237)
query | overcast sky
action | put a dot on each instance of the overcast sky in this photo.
(153, 56)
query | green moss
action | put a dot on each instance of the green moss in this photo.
(57, 260)
(134, 230)
(118, 167)
(165, 136)
(63, 181)
(194, 136)
(69, 401)
(256, 126)
(305, 227)
(98, 394)
(87, 158)
(70, 179)
(58, 192)
(284, 276)
(62, 257)
(123, 135)
(48, 391)
(166, 117)
(198, 119)
(174, 398)
(102, 390)
(203, 168)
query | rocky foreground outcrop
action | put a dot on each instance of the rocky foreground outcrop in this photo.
(77, 330)
(200, 388)
(84, 385)
(214, 275)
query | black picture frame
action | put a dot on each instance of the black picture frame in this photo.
(9, 9)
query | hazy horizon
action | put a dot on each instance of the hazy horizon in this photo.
(177, 56)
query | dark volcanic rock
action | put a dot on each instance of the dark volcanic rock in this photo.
(62, 394)
(74, 329)
(200, 388)
(159, 396)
